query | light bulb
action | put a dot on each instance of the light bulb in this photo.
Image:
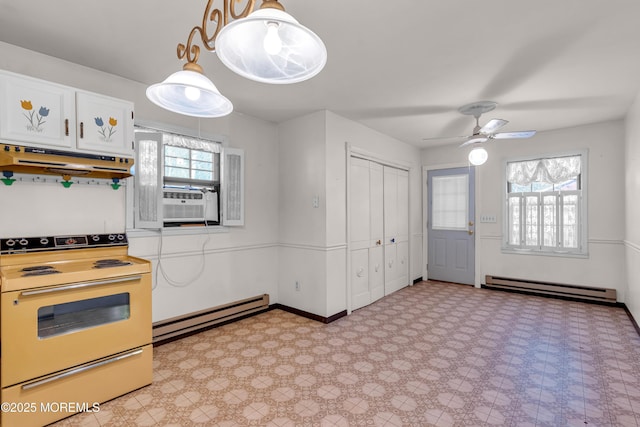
(192, 93)
(272, 42)
(478, 156)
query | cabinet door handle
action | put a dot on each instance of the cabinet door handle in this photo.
(66, 127)
(81, 129)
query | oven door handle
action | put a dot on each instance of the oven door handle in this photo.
(35, 384)
(81, 285)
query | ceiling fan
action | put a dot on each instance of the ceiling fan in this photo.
(488, 131)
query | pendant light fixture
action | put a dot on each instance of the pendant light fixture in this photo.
(191, 93)
(268, 45)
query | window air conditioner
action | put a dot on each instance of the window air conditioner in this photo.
(189, 204)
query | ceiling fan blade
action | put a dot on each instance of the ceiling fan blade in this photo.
(514, 135)
(492, 126)
(443, 137)
(475, 139)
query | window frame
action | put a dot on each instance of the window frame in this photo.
(582, 216)
(137, 227)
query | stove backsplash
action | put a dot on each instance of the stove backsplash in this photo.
(47, 208)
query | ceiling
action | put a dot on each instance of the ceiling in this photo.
(401, 67)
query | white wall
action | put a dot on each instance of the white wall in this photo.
(313, 240)
(238, 263)
(632, 207)
(605, 266)
(303, 250)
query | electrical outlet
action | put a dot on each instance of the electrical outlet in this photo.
(297, 285)
(316, 201)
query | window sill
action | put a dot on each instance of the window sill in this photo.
(544, 253)
(177, 231)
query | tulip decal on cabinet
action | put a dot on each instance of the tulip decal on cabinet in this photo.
(36, 120)
(106, 131)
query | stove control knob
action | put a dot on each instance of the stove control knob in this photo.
(120, 236)
(44, 241)
(10, 242)
(24, 242)
(112, 237)
(7, 148)
(95, 237)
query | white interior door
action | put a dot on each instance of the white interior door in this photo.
(451, 225)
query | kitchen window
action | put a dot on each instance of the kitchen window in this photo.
(185, 180)
(545, 206)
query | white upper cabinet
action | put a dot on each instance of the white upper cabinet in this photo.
(38, 113)
(104, 124)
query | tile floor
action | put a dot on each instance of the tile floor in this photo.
(431, 354)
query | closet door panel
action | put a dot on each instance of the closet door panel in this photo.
(376, 272)
(376, 203)
(360, 278)
(390, 204)
(359, 204)
(402, 205)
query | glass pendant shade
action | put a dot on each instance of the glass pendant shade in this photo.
(478, 156)
(190, 93)
(270, 46)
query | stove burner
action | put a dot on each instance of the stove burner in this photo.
(40, 272)
(106, 263)
(38, 268)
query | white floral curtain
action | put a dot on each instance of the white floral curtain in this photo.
(554, 170)
(193, 143)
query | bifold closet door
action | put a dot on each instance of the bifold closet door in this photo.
(396, 229)
(366, 232)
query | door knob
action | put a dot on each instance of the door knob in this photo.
(470, 223)
(378, 242)
(470, 232)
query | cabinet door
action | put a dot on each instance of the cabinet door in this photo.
(104, 124)
(36, 113)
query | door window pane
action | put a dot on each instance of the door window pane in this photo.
(450, 202)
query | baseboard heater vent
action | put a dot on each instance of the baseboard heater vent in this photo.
(554, 289)
(191, 322)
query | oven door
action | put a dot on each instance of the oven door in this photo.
(58, 327)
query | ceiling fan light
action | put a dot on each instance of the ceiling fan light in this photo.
(190, 93)
(298, 55)
(478, 156)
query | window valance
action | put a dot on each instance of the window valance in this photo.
(554, 170)
(192, 143)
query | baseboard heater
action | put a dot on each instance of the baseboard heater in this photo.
(554, 289)
(195, 321)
